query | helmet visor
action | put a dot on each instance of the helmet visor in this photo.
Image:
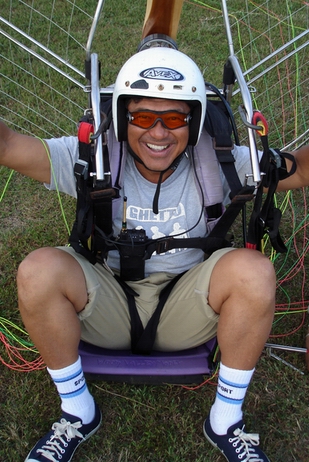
(169, 119)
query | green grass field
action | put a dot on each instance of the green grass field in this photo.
(147, 423)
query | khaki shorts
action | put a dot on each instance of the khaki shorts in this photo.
(186, 320)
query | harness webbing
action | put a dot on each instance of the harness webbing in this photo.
(142, 339)
(94, 217)
(265, 217)
(94, 204)
(218, 126)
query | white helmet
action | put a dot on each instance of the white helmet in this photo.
(160, 72)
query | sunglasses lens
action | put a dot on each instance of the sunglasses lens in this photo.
(147, 119)
(143, 119)
(175, 120)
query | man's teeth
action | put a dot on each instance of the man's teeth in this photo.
(155, 147)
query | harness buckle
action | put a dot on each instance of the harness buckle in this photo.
(81, 169)
(221, 148)
(164, 245)
(275, 157)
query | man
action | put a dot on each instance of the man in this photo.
(158, 113)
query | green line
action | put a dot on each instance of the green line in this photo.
(6, 185)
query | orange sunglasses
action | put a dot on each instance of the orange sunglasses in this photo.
(169, 119)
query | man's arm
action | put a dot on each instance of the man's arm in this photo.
(301, 177)
(25, 154)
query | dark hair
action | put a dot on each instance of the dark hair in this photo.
(135, 99)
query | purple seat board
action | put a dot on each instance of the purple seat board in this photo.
(122, 365)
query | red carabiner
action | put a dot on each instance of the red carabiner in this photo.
(259, 120)
(85, 130)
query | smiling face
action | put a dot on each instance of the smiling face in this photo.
(157, 147)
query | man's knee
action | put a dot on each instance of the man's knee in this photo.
(243, 274)
(260, 276)
(245, 264)
(44, 270)
(33, 267)
(256, 262)
(51, 275)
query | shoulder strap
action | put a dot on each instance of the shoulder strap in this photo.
(218, 125)
(94, 199)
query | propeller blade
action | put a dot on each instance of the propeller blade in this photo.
(162, 17)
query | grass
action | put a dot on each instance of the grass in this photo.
(141, 423)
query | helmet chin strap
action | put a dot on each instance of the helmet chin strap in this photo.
(173, 166)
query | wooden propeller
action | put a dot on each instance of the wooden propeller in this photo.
(162, 17)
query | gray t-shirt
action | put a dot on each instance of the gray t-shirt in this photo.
(180, 209)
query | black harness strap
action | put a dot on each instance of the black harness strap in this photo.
(207, 244)
(219, 128)
(137, 328)
(265, 217)
(92, 231)
(94, 203)
(142, 340)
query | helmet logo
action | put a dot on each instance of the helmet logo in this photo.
(161, 73)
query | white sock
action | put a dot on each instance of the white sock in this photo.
(73, 391)
(231, 391)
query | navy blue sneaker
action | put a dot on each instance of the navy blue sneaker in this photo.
(60, 443)
(236, 445)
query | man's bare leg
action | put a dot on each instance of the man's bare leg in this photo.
(51, 291)
(242, 291)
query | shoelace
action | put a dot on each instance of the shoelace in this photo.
(244, 442)
(56, 444)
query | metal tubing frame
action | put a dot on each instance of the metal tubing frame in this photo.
(95, 101)
(275, 53)
(93, 27)
(246, 97)
(285, 348)
(42, 47)
(45, 61)
(51, 53)
(245, 93)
